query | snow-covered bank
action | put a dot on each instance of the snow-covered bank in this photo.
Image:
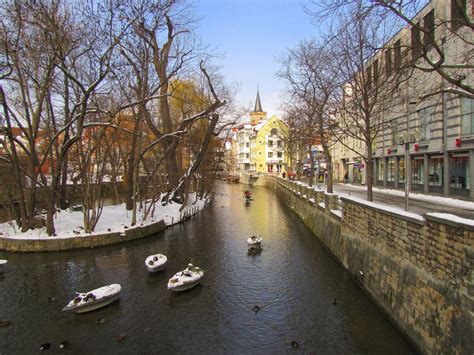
(113, 219)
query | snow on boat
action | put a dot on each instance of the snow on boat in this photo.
(254, 241)
(155, 262)
(186, 279)
(95, 299)
(3, 262)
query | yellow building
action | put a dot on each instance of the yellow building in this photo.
(260, 144)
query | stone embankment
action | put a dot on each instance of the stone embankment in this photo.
(417, 269)
(79, 242)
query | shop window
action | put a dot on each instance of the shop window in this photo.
(401, 170)
(467, 116)
(435, 168)
(391, 169)
(380, 170)
(459, 169)
(417, 172)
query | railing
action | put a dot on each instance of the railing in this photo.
(329, 203)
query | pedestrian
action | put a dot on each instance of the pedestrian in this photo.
(346, 177)
(283, 174)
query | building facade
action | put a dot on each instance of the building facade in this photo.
(430, 118)
(259, 145)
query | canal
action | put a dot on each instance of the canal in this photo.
(293, 281)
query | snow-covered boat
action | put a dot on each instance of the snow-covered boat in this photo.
(3, 262)
(95, 299)
(155, 262)
(254, 241)
(186, 279)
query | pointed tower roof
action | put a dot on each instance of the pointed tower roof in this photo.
(258, 104)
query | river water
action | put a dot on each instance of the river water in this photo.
(293, 281)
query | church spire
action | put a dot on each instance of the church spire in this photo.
(258, 104)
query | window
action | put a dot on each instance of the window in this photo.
(429, 30)
(380, 169)
(401, 170)
(459, 168)
(417, 171)
(467, 116)
(395, 126)
(397, 50)
(435, 169)
(247, 155)
(270, 143)
(391, 169)
(425, 121)
(270, 154)
(369, 78)
(458, 13)
(247, 144)
(279, 154)
(278, 144)
(415, 43)
(274, 131)
(375, 69)
(388, 62)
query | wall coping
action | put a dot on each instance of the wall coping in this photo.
(450, 220)
(393, 211)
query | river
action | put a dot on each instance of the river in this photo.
(293, 281)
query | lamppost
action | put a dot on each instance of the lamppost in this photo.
(405, 141)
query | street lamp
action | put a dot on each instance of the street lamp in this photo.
(405, 141)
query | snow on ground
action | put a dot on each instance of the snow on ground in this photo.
(438, 200)
(114, 218)
(386, 208)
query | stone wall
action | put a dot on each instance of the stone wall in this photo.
(57, 244)
(417, 269)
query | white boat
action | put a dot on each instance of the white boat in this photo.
(254, 241)
(3, 262)
(156, 262)
(95, 299)
(186, 279)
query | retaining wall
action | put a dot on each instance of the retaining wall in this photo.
(79, 242)
(417, 269)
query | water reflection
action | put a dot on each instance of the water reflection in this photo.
(293, 281)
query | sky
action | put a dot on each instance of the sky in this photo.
(252, 34)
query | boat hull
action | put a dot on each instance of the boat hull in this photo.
(156, 265)
(185, 286)
(105, 296)
(93, 307)
(155, 268)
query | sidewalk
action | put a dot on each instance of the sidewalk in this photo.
(418, 203)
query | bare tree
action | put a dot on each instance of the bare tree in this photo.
(434, 38)
(311, 86)
(366, 91)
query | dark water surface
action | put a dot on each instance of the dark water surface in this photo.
(293, 280)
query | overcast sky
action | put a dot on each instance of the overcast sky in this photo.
(252, 34)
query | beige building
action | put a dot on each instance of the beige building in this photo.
(429, 112)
